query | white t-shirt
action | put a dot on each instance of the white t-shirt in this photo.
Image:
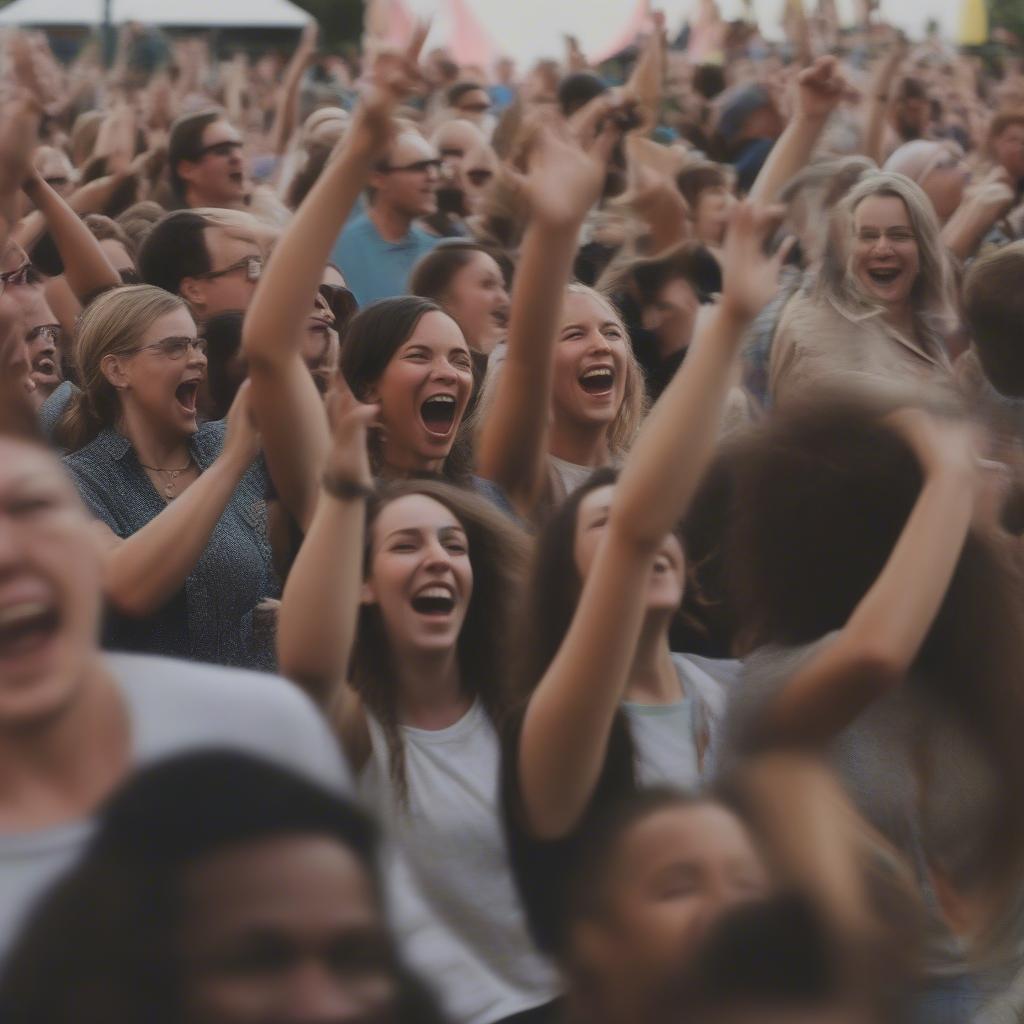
(453, 902)
(175, 707)
(676, 743)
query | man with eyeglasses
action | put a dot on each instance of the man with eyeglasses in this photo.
(204, 158)
(43, 340)
(377, 249)
(212, 264)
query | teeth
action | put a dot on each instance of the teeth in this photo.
(14, 614)
(442, 398)
(435, 592)
(597, 373)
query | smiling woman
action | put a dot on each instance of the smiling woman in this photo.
(874, 315)
(181, 505)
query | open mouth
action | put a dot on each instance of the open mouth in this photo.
(500, 317)
(436, 600)
(236, 177)
(187, 395)
(25, 627)
(45, 365)
(884, 275)
(598, 381)
(438, 414)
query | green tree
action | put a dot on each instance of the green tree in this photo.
(341, 21)
(1008, 14)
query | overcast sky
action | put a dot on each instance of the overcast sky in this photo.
(527, 29)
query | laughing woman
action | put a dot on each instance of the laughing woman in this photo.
(875, 313)
(569, 395)
(399, 623)
(180, 506)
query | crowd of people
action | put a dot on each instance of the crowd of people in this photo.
(487, 547)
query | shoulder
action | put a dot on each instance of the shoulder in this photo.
(359, 225)
(423, 238)
(178, 705)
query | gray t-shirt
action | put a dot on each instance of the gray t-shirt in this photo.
(908, 766)
(175, 707)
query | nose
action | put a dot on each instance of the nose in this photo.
(882, 245)
(437, 557)
(444, 372)
(196, 358)
(316, 996)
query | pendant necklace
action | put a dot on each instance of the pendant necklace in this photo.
(169, 477)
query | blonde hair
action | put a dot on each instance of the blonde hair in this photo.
(111, 325)
(930, 295)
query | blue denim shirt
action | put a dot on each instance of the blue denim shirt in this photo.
(210, 618)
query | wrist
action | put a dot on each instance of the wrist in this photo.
(733, 315)
(343, 487)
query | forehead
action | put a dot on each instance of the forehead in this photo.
(437, 330)
(220, 131)
(289, 880)
(414, 512)
(177, 324)
(458, 133)
(701, 834)
(881, 211)
(23, 464)
(598, 499)
(586, 306)
(225, 245)
(410, 147)
(117, 253)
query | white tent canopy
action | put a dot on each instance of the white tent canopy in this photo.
(222, 13)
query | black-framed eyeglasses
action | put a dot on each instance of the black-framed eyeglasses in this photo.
(341, 302)
(175, 348)
(417, 167)
(253, 266)
(225, 148)
(51, 332)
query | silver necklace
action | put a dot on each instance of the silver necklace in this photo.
(169, 477)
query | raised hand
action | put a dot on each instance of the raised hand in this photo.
(393, 76)
(750, 278)
(242, 440)
(563, 180)
(819, 88)
(350, 419)
(19, 134)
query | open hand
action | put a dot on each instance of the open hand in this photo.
(350, 420)
(750, 277)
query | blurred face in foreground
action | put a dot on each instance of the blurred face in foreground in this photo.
(285, 930)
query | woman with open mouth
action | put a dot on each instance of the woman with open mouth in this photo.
(181, 504)
(874, 315)
(398, 622)
(569, 394)
(610, 707)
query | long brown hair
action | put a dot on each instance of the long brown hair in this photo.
(497, 554)
(821, 495)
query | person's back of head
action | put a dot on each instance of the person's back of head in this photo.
(174, 249)
(994, 307)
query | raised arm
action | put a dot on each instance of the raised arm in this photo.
(320, 607)
(570, 715)
(872, 653)
(286, 114)
(285, 401)
(19, 132)
(879, 90)
(86, 267)
(141, 573)
(819, 89)
(562, 183)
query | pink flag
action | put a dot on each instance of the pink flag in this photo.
(469, 42)
(640, 23)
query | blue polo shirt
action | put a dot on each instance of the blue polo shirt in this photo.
(373, 268)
